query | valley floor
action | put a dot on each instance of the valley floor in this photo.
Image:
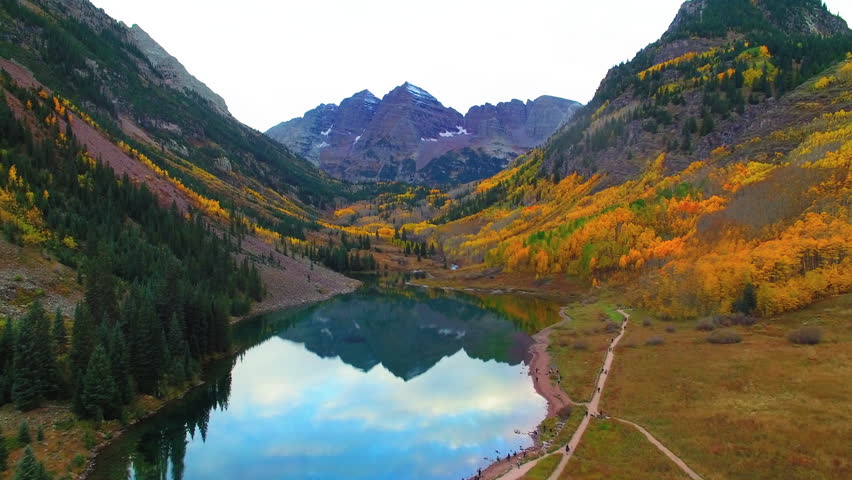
(761, 408)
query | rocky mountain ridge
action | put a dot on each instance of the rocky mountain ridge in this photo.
(409, 135)
(172, 71)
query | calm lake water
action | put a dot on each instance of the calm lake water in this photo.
(380, 384)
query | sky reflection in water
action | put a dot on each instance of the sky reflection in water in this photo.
(362, 387)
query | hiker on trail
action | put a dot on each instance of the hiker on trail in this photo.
(567, 448)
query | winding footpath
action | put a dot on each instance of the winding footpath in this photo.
(674, 458)
(539, 351)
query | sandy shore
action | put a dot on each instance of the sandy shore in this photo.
(550, 390)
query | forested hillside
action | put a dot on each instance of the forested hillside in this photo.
(721, 64)
(173, 216)
(710, 174)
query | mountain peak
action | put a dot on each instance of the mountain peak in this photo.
(415, 92)
(718, 18)
(409, 135)
(366, 96)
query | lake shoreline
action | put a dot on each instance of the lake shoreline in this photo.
(555, 397)
(266, 308)
(539, 359)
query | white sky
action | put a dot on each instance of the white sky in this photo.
(273, 60)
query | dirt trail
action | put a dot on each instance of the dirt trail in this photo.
(674, 458)
(592, 407)
(541, 359)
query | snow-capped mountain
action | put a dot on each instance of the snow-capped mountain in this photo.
(409, 135)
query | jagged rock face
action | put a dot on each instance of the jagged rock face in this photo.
(309, 134)
(409, 135)
(172, 71)
(806, 17)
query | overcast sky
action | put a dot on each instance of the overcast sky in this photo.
(274, 60)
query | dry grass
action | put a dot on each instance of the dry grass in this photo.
(612, 450)
(64, 434)
(63, 438)
(580, 366)
(544, 468)
(764, 408)
(571, 424)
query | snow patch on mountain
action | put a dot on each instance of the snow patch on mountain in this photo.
(448, 134)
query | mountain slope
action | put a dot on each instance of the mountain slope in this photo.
(720, 63)
(711, 174)
(174, 74)
(409, 135)
(136, 91)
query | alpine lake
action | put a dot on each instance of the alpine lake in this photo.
(385, 383)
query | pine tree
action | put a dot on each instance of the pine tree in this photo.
(7, 356)
(28, 467)
(82, 340)
(99, 393)
(178, 351)
(4, 454)
(120, 364)
(7, 344)
(707, 123)
(27, 390)
(100, 287)
(45, 354)
(147, 344)
(24, 432)
(60, 333)
(747, 303)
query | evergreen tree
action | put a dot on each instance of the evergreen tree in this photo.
(100, 397)
(178, 352)
(7, 356)
(707, 123)
(24, 433)
(7, 343)
(82, 340)
(101, 287)
(747, 303)
(35, 371)
(147, 344)
(45, 353)
(60, 333)
(28, 467)
(120, 364)
(4, 454)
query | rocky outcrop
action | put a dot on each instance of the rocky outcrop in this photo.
(806, 17)
(409, 135)
(173, 72)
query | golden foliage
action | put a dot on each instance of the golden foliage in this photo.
(686, 57)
